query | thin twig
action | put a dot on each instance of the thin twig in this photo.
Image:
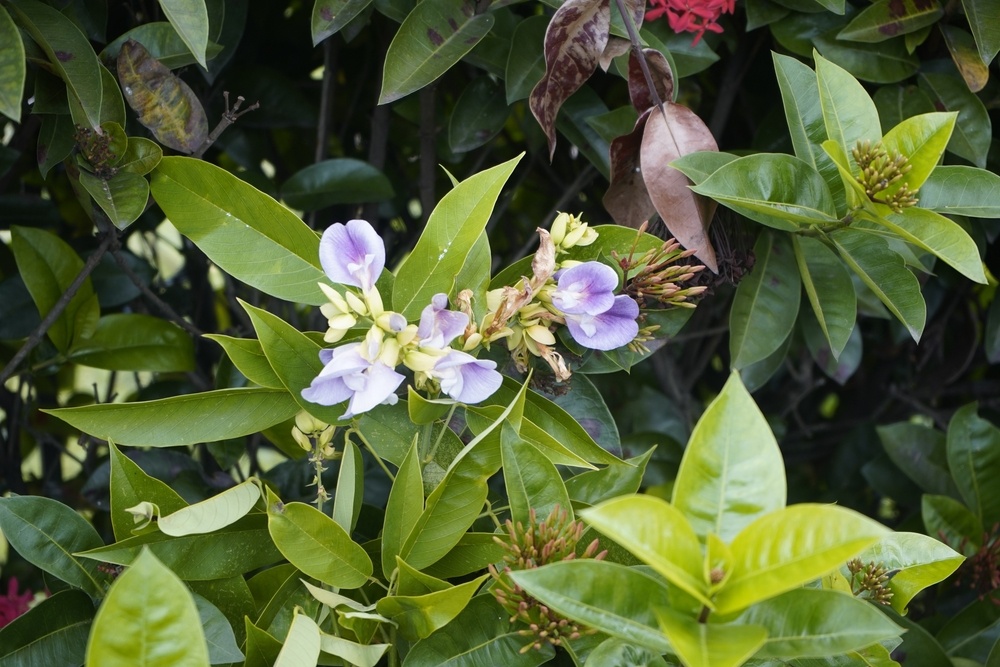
(229, 116)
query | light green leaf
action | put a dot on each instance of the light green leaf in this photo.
(249, 235)
(973, 129)
(12, 68)
(52, 633)
(417, 616)
(709, 645)
(766, 302)
(658, 534)
(984, 19)
(183, 420)
(848, 112)
(787, 548)
(829, 289)
(302, 644)
(190, 19)
(614, 652)
(452, 229)
(922, 139)
(122, 198)
(406, 502)
(531, 479)
(350, 488)
(432, 38)
(886, 19)
(316, 544)
(48, 534)
(147, 601)
(135, 342)
(610, 597)
(336, 181)
(248, 357)
(920, 452)
(776, 190)
(131, 486)
(330, 16)
(812, 622)
(885, 273)
(974, 460)
(213, 514)
(359, 655)
(918, 561)
(961, 190)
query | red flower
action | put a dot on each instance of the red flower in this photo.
(13, 604)
(695, 16)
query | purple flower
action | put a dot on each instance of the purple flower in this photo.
(347, 374)
(438, 325)
(585, 288)
(352, 254)
(611, 329)
(465, 378)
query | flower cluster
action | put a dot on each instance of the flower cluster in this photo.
(695, 16)
(14, 603)
(364, 372)
(878, 169)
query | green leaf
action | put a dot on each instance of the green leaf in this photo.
(973, 129)
(531, 479)
(920, 452)
(406, 502)
(829, 289)
(52, 633)
(236, 550)
(233, 599)
(417, 616)
(316, 544)
(473, 552)
(302, 644)
(55, 141)
(47, 534)
(336, 181)
(350, 488)
(960, 190)
(262, 649)
(526, 62)
(480, 635)
(897, 103)
(974, 460)
(709, 645)
(131, 486)
(163, 43)
(190, 19)
(614, 652)
(249, 235)
(134, 342)
(12, 68)
(700, 165)
(972, 633)
(478, 116)
(610, 597)
(48, 266)
(360, 655)
(952, 522)
(616, 479)
(183, 420)
(330, 16)
(658, 534)
(214, 514)
(984, 20)
(919, 647)
(807, 623)
(776, 190)
(885, 274)
(849, 113)
(219, 635)
(147, 601)
(766, 302)
(452, 229)
(789, 547)
(70, 54)
(884, 62)
(922, 139)
(248, 357)
(122, 197)
(917, 561)
(433, 37)
(886, 19)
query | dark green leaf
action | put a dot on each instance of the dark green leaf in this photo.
(960, 190)
(531, 479)
(219, 636)
(133, 342)
(526, 63)
(131, 486)
(162, 42)
(885, 19)
(919, 451)
(884, 62)
(330, 16)
(190, 19)
(478, 116)
(974, 460)
(336, 181)
(12, 69)
(951, 522)
(53, 633)
(971, 138)
(984, 19)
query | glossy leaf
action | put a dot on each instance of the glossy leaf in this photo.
(702, 164)
(131, 486)
(828, 287)
(974, 460)
(973, 128)
(12, 68)
(919, 451)
(984, 19)
(883, 271)
(452, 229)
(473, 552)
(48, 534)
(951, 522)
(616, 479)
(122, 198)
(134, 342)
(248, 357)
(163, 43)
(883, 62)
(805, 623)
(241, 229)
(330, 16)
(848, 112)
(965, 54)
(213, 514)
(961, 190)
(922, 139)
(971, 634)
(418, 616)
(431, 39)
(302, 644)
(336, 181)
(183, 420)
(164, 103)
(532, 481)
(316, 544)
(190, 19)
(526, 62)
(479, 114)
(917, 562)
(350, 488)
(784, 549)
(886, 19)
(709, 645)
(148, 601)
(658, 534)
(219, 636)
(52, 633)
(766, 302)
(261, 648)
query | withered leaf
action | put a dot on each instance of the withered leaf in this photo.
(162, 101)
(627, 200)
(659, 70)
(574, 41)
(617, 46)
(669, 135)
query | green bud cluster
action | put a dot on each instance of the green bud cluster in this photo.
(878, 171)
(660, 275)
(869, 582)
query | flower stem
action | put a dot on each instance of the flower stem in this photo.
(440, 437)
(368, 446)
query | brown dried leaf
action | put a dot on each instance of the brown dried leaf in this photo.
(163, 103)
(669, 135)
(663, 79)
(965, 53)
(574, 41)
(617, 46)
(627, 200)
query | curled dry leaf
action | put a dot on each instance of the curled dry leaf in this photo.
(574, 41)
(617, 46)
(663, 79)
(669, 135)
(627, 200)
(163, 102)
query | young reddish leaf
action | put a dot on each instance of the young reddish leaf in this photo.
(574, 41)
(626, 199)
(163, 103)
(669, 135)
(663, 79)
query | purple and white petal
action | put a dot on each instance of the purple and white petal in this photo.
(438, 325)
(329, 387)
(375, 386)
(465, 378)
(585, 288)
(352, 254)
(609, 330)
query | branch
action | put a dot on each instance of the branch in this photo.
(633, 36)
(229, 116)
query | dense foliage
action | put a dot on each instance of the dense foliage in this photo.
(321, 344)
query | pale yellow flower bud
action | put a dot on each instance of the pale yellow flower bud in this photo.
(558, 229)
(420, 362)
(355, 303)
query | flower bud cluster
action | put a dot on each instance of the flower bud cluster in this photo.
(660, 275)
(869, 582)
(569, 231)
(878, 170)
